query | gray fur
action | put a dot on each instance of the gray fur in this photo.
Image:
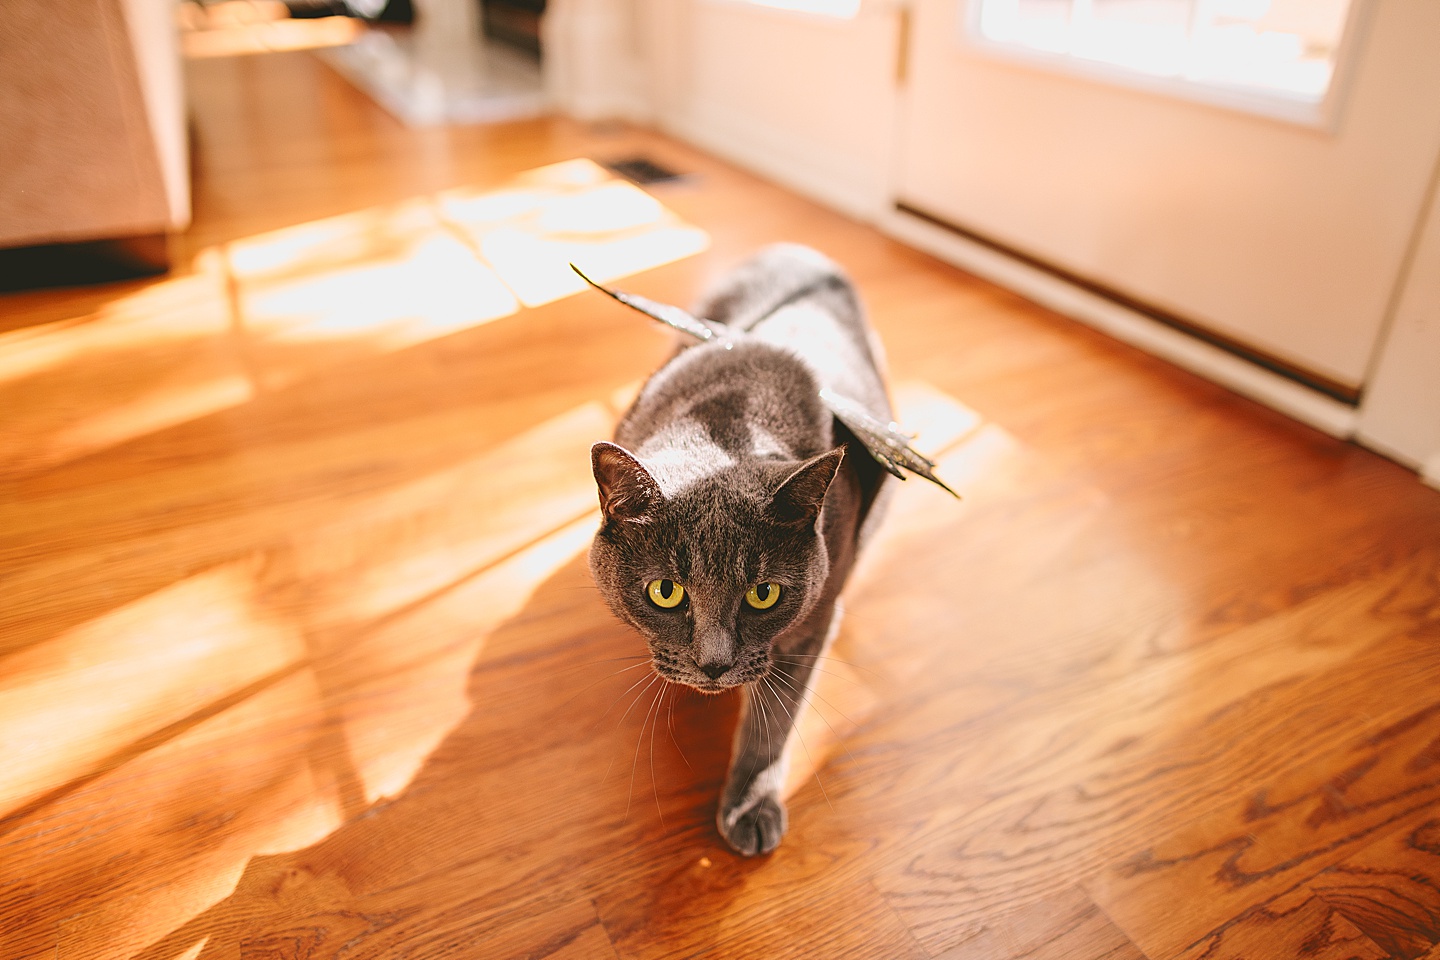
(728, 471)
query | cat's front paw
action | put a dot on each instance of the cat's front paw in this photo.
(756, 829)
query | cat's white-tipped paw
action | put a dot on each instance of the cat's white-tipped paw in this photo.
(756, 830)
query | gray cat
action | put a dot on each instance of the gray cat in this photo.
(734, 503)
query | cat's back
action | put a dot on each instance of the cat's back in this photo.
(723, 404)
(729, 405)
(797, 299)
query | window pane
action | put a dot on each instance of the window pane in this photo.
(1037, 24)
(845, 9)
(1151, 36)
(1278, 46)
(1286, 45)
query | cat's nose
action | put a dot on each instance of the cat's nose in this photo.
(714, 649)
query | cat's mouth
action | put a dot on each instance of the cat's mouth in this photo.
(735, 677)
(700, 682)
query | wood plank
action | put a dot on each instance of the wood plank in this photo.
(1193, 887)
(1297, 924)
(1067, 927)
(1391, 890)
(716, 907)
(1050, 783)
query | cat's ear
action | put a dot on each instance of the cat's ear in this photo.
(627, 491)
(799, 498)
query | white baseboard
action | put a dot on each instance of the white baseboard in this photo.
(1430, 471)
(1304, 404)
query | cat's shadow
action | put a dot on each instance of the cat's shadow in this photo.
(539, 799)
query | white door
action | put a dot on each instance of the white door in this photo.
(802, 91)
(1252, 195)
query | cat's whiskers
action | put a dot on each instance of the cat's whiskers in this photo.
(671, 724)
(640, 739)
(795, 725)
(574, 696)
(655, 784)
(821, 656)
(819, 713)
(808, 692)
(772, 722)
(769, 740)
(831, 673)
(638, 697)
(607, 676)
(755, 704)
(618, 698)
(591, 663)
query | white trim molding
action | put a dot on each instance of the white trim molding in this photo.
(1400, 413)
(1430, 473)
(1280, 393)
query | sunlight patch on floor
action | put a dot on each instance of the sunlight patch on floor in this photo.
(268, 311)
(146, 414)
(148, 361)
(431, 288)
(375, 235)
(570, 212)
(172, 311)
(69, 704)
(406, 544)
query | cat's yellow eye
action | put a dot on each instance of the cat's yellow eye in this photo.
(666, 594)
(762, 596)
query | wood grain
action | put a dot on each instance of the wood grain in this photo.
(1297, 924)
(1285, 831)
(300, 657)
(1391, 890)
(1067, 927)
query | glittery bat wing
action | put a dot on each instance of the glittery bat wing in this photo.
(681, 320)
(886, 442)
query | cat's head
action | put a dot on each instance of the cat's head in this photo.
(711, 574)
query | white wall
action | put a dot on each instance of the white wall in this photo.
(597, 65)
(805, 99)
(1400, 415)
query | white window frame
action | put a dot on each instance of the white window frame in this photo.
(1323, 115)
(815, 11)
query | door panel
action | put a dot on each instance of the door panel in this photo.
(807, 99)
(1285, 238)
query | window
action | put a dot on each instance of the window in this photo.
(1246, 53)
(841, 9)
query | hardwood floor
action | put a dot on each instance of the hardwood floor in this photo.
(299, 655)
